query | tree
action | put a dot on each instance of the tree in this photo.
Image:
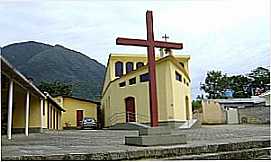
(260, 80)
(215, 84)
(253, 83)
(196, 105)
(55, 88)
(238, 83)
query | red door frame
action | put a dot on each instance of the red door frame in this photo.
(79, 117)
(130, 109)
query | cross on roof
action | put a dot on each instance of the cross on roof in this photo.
(165, 37)
(150, 43)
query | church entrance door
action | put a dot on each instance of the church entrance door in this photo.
(130, 109)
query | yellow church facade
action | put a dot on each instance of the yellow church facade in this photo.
(125, 95)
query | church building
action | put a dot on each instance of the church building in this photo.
(125, 95)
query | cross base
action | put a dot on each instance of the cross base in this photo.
(155, 136)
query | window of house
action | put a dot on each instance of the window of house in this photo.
(129, 67)
(139, 64)
(118, 69)
(132, 81)
(182, 64)
(184, 80)
(178, 76)
(122, 84)
(187, 84)
(144, 77)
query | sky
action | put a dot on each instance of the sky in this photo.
(228, 35)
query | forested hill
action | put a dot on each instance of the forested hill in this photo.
(43, 62)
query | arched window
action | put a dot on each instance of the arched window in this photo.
(118, 69)
(139, 64)
(129, 67)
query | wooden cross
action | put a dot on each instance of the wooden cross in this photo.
(165, 37)
(150, 43)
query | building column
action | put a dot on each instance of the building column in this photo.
(41, 114)
(60, 120)
(124, 68)
(10, 105)
(27, 113)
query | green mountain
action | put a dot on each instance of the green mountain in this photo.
(43, 62)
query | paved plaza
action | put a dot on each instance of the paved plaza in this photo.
(89, 141)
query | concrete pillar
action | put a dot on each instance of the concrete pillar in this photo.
(10, 105)
(27, 112)
(60, 120)
(124, 68)
(41, 114)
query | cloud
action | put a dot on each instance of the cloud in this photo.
(229, 35)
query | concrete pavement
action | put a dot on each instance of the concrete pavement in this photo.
(91, 141)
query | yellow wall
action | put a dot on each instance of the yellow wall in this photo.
(34, 112)
(71, 105)
(116, 103)
(212, 113)
(171, 94)
(19, 109)
(179, 93)
(19, 98)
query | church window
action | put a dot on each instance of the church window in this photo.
(122, 84)
(187, 84)
(144, 77)
(132, 81)
(139, 64)
(184, 80)
(118, 69)
(178, 76)
(129, 67)
(182, 64)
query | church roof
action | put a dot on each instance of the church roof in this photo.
(19, 78)
(143, 56)
(51, 99)
(253, 99)
(77, 98)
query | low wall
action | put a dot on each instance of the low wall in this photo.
(255, 115)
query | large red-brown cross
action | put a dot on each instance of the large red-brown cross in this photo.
(150, 43)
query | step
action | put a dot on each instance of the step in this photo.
(128, 126)
(237, 150)
(156, 140)
(255, 153)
